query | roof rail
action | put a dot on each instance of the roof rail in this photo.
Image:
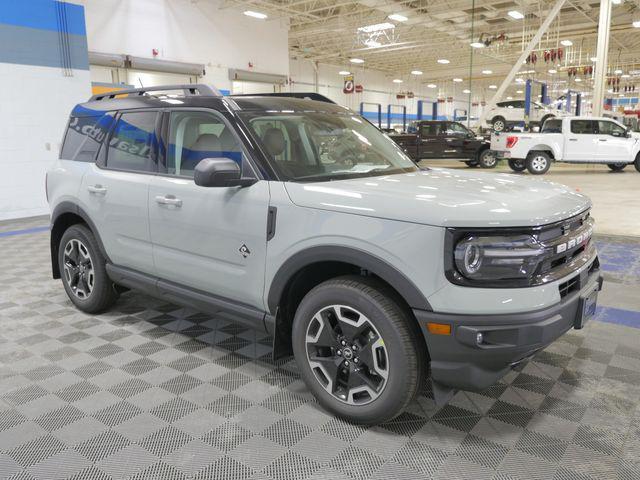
(188, 90)
(308, 95)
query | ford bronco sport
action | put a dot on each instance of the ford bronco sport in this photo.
(298, 217)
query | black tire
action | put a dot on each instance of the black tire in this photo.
(499, 124)
(102, 294)
(637, 163)
(616, 167)
(538, 163)
(517, 165)
(404, 354)
(487, 159)
(471, 163)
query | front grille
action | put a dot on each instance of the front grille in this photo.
(575, 283)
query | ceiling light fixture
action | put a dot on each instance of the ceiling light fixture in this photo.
(636, 23)
(487, 72)
(516, 15)
(552, 71)
(356, 60)
(509, 98)
(518, 91)
(616, 2)
(397, 80)
(416, 72)
(477, 44)
(466, 90)
(566, 43)
(378, 27)
(593, 59)
(617, 71)
(493, 87)
(457, 80)
(397, 17)
(443, 61)
(578, 80)
(432, 85)
(258, 15)
(626, 75)
(344, 72)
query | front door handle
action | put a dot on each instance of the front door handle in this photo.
(573, 139)
(602, 139)
(168, 200)
(97, 189)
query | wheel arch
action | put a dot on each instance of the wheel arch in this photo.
(543, 148)
(64, 215)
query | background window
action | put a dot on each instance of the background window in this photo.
(194, 136)
(582, 126)
(84, 136)
(133, 144)
(430, 129)
(457, 130)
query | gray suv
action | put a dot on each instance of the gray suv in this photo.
(294, 215)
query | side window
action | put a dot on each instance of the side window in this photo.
(502, 104)
(610, 128)
(456, 129)
(194, 136)
(133, 144)
(84, 136)
(582, 127)
(430, 129)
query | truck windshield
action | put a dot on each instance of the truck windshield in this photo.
(552, 126)
(319, 146)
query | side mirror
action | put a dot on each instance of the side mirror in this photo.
(219, 172)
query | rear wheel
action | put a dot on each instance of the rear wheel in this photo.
(487, 159)
(499, 124)
(83, 272)
(616, 167)
(517, 165)
(538, 163)
(637, 163)
(358, 349)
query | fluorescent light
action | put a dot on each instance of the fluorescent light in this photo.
(432, 85)
(493, 87)
(636, 23)
(466, 90)
(378, 27)
(516, 14)
(344, 72)
(509, 98)
(552, 71)
(578, 79)
(487, 72)
(593, 59)
(443, 61)
(397, 80)
(518, 91)
(397, 17)
(457, 80)
(416, 72)
(617, 72)
(566, 43)
(616, 2)
(356, 60)
(626, 75)
(258, 15)
(477, 44)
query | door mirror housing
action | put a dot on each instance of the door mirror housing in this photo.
(220, 172)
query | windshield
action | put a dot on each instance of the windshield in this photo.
(317, 146)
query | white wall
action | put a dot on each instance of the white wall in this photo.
(189, 31)
(378, 88)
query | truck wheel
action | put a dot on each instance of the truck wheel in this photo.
(499, 124)
(357, 349)
(538, 163)
(517, 165)
(82, 268)
(616, 167)
(472, 163)
(637, 163)
(487, 159)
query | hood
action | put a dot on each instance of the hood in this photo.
(448, 198)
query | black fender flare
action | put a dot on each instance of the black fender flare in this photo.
(58, 211)
(336, 253)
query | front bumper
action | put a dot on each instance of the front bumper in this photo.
(458, 362)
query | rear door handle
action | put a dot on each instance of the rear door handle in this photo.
(168, 200)
(573, 139)
(97, 189)
(602, 139)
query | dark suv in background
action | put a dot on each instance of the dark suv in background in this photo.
(441, 140)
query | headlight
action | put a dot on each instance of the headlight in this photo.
(498, 258)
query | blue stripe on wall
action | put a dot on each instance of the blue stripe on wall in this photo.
(42, 15)
(398, 116)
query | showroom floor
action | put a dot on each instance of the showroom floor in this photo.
(153, 391)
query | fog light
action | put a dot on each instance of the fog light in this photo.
(479, 338)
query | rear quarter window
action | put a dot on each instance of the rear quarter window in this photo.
(83, 137)
(552, 126)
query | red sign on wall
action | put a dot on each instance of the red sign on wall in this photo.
(349, 85)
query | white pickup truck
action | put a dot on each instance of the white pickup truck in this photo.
(571, 140)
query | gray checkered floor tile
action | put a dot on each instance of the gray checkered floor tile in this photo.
(153, 391)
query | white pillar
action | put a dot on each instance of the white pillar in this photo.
(599, 85)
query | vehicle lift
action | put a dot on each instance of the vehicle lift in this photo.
(404, 115)
(434, 111)
(527, 99)
(378, 107)
(456, 116)
(578, 102)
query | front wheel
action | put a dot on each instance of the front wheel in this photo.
(357, 349)
(637, 163)
(83, 272)
(487, 159)
(616, 167)
(538, 163)
(499, 124)
(517, 165)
